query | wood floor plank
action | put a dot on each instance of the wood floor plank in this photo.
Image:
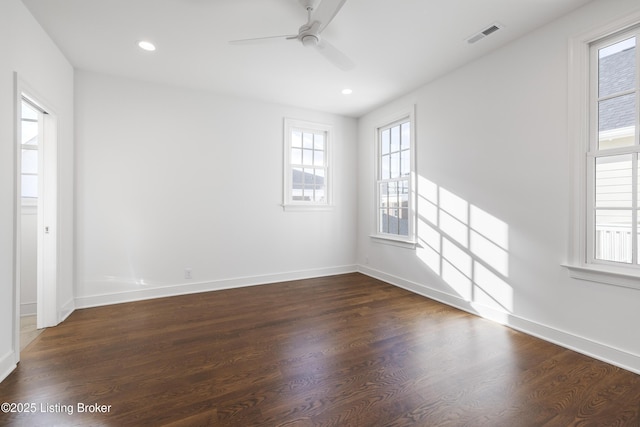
(344, 350)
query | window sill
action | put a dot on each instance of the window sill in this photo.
(307, 208)
(388, 240)
(605, 275)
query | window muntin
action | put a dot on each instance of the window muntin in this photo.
(307, 178)
(613, 154)
(394, 181)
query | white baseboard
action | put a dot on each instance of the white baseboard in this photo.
(7, 365)
(215, 285)
(28, 309)
(605, 353)
(66, 310)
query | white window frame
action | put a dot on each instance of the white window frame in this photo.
(580, 262)
(409, 241)
(289, 204)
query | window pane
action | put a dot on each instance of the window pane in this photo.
(403, 226)
(613, 181)
(403, 190)
(29, 133)
(403, 196)
(395, 138)
(395, 165)
(384, 195)
(297, 178)
(308, 177)
(385, 141)
(638, 231)
(318, 158)
(395, 221)
(405, 166)
(613, 235)
(28, 112)
(638, 181)
(385, 172)
(616, 122)
(296, 156)
(318, 179)
(319, 185)
(307, 157)
(29, 186)
(29, 161)
(318, 141)
(307, 194)
(384, 221)
(296, 138)
(307, 140)
(393, 194)
(405, 136)
(617, 67)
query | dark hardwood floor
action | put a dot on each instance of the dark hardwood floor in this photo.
(338, 351)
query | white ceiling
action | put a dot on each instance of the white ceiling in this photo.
(397, 45)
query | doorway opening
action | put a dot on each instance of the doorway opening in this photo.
(31, 124)
(36, 245)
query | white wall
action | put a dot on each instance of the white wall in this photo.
(27, 50)
(170, 179)
(492, 143)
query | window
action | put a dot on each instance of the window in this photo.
(30, 121)
(604, 99)
(612, 160)
(394, 179)
(307, 182)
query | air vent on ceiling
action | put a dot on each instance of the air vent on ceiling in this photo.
(484, 33)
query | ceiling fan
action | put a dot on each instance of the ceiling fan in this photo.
(309, 34)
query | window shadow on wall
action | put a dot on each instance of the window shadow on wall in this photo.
(466, 246)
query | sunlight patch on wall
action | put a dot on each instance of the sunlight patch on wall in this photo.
(490, 289)
(464, 245)
(429, 249)
(457, 268)
(454, 216)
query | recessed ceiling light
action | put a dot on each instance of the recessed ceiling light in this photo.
(347, 91)
(148, 46)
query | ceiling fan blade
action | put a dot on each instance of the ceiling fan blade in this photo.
(262, 39)
(335, 56)
(326, 11)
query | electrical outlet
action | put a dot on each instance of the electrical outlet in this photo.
(187, 273)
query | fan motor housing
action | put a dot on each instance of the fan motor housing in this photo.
(310, 40)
